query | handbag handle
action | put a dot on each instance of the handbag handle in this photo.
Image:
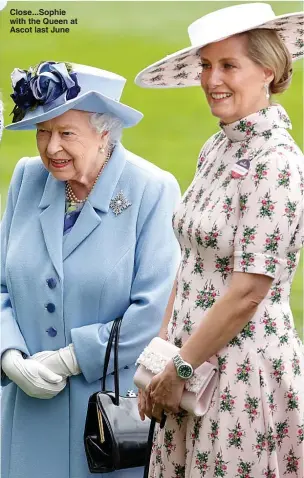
(113, 340)
(149, 447)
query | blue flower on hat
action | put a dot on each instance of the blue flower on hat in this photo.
(41, 86)
(52, 80)
(23, 95)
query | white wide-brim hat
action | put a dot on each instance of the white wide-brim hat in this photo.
(100, 92)
(183, 68)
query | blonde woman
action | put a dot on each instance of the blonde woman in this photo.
(240, 225)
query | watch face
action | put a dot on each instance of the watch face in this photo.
(185, 371)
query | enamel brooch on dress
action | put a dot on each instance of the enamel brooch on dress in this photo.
(119, 203)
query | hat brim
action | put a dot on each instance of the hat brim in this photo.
(91, 101)
(183, 68)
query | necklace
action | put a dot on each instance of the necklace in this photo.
(71, 197)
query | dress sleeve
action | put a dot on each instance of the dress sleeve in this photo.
(270, 215)
(11, 337)
(157, 258)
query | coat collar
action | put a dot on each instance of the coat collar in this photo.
(51, 220)
(104, 189)
(53, 208)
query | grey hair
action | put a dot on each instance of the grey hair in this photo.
(106, 122)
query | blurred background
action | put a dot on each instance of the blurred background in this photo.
(124, 37)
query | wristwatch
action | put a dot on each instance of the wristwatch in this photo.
(183, 369)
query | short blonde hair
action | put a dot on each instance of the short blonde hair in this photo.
(266, 48)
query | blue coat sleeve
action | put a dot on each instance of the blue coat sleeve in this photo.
(11, 337)
(156, 262)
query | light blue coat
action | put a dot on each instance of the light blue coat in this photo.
(106, 267)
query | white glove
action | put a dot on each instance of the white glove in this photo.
(62, 361)
(35, 379)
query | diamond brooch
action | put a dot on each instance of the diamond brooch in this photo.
(119, 203)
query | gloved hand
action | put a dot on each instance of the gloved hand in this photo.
(34, 378)
(62, 361)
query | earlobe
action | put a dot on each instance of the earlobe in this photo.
(268, 76)
(103, 144)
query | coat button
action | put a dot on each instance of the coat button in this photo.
(52, 332)
(51, 283)
(50, 307)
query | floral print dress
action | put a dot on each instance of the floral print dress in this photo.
(250, 223)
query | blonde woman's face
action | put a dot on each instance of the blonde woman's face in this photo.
(232, 82)
(69, 147)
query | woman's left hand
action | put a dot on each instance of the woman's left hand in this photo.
(166, 389)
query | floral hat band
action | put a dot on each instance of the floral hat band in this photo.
(48, 83)
(51, 88)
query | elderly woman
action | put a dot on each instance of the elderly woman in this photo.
(80, 247)
(240, 225)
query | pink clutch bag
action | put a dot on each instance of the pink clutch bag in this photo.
(199, 389)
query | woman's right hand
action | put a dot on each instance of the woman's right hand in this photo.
(32, 377)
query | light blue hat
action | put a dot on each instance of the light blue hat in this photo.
(52, 88)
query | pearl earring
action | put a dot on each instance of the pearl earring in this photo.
(101, 149)
(266, 86)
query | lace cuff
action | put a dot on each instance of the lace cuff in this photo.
(156, 362)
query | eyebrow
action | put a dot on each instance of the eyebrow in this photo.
(63, 126)
(68, 126)
(222, 59)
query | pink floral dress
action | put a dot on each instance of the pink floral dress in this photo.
(250, 223)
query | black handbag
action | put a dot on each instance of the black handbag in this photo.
(114, 437)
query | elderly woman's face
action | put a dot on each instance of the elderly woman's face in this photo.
(232, 82)
(69, 146)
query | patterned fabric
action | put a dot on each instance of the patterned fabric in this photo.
(184, 67)
(254, 427)
(72, 212)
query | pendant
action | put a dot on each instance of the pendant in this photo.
(119, 203)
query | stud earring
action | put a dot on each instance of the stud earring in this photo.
(266, 86)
